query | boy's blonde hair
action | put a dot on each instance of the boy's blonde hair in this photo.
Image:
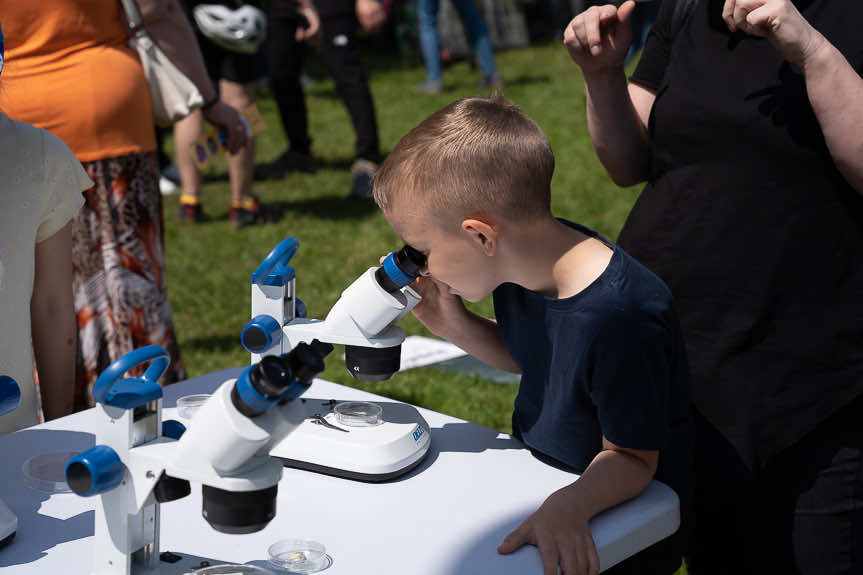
(475, 156)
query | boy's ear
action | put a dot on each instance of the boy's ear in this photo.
(483, 232)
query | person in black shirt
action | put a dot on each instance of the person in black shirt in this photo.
(745, 119)
(594, 334)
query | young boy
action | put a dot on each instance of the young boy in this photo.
(594, 334)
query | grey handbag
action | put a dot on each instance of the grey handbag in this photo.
(173, 95)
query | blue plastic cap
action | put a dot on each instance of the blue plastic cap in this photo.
(295, 390)
(95, 471)
(173, 429)
(10, 394)
(398, 277)
(261, 333)
(253, 399)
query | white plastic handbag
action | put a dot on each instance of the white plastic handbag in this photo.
(173, 95)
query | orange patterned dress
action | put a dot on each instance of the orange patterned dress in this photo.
(69, 70)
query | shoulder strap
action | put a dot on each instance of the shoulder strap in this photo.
(682, 12)
(132, 14)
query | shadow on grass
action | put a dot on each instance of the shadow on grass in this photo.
(526, 81)
(212, 343)
(329, 207)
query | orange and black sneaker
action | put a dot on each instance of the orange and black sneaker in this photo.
(250, 212)
(190, 210)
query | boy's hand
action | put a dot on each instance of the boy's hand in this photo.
(780, 22)
(599, 37)
(439, 308)
(560, 531)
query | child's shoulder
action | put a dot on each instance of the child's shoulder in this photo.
(29, 143)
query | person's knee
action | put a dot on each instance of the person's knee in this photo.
(238, 96)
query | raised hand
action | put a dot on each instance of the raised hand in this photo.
(780, 22)
(599, 37)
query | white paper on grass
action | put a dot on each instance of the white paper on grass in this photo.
(418, 351)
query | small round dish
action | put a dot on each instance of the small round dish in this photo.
(46, 472)
(188, 405)
(358, 413)
(299, 556)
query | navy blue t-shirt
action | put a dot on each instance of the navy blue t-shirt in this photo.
(608, 361)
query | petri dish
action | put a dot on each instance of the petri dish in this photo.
(46, 472)
(358, 413)
(188, 405)
(299, 556)
(229, 569)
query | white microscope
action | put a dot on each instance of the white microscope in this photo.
(139, 462)
(362, 441)
(10, 396)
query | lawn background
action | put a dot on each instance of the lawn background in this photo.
(209, 264)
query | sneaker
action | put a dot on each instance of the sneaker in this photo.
(167, 187)
(190, 213)
(363, 172)
(287, 162)
(429, 87)
(241, 216)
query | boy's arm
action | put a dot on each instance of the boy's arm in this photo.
(559, 528)
(445, 315)
(53, 324)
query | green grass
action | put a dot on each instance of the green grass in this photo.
(209, 264)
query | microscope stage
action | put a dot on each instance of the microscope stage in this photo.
(371, 453)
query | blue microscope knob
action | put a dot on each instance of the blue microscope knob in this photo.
(95, 471)
(10, 394)
(173, 429)
(300, 309)
(261, 333)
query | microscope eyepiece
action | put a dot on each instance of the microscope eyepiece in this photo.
(400, 268)
(277, 378)
(307, 360)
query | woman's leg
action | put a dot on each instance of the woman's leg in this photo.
(429, 40)
(479, 39)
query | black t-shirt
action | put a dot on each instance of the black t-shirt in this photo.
(608, 361)
(752, 227)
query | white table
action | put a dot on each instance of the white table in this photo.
(444, 518)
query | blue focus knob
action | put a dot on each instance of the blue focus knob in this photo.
(95, 471)
(10, 394)
(261, 333)
(173, 429)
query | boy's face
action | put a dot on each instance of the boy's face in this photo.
(452, 258)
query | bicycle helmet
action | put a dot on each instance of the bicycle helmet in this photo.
(241, 30)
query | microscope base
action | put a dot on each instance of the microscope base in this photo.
(372, 454)
(173, 563)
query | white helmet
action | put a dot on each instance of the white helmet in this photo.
(241, 30)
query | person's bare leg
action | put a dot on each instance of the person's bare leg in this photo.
(186, 132)
(240, 165)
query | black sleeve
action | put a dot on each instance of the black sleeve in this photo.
(630, 381)
(657, 49)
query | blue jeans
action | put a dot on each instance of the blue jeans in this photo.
(473, 26)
